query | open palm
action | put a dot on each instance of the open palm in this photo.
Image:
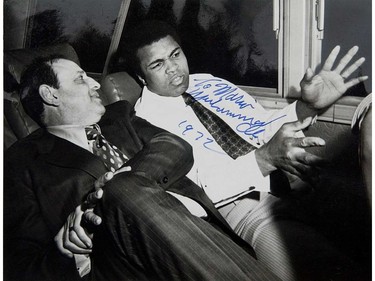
(322, 90)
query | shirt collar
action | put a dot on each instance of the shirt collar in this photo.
(149, 99)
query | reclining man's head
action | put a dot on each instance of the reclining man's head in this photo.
(154, 52)
(56, 91)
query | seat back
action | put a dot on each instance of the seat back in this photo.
(120, 86)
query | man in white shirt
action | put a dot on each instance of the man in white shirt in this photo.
(160, 64)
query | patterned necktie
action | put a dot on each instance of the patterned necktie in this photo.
(232, 143)
(223, 134)
(112, 157)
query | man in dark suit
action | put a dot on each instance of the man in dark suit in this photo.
(146, 234)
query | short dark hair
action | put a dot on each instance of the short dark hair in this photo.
(39, 72)
(144, 34)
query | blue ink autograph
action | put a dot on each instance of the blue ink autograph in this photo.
(189, 129)
(225, 92)
(254, 128)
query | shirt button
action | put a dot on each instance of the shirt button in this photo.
(165, 179)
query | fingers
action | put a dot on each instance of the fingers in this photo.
(123, 169)
(303, 171)
(296, 151)
(355, 81)
(296, 168)
(92, 199)
(343, 63)
(346, 59)
(305, 166)
(311, 172)
(79, 242)
(310, 142)
(331, 59)
(78, 235)
(72, 240)
(90, 217)
(101, 181)
(352, 68)
(311, 159)
(59, 243)
(309, 74)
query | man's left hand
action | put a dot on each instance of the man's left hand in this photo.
(325, 88)
(73, 238)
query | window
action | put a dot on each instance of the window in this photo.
(88, 27)
(348, 23)
(229, 39)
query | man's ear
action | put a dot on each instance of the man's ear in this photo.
(143, 81)
(49, 95)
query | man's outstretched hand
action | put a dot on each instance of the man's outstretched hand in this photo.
(325, 88)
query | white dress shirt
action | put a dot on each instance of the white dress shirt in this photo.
(223, 178)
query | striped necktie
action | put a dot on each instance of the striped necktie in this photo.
(112, 157)
(223, 134)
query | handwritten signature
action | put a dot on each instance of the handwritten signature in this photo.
(221, 92)
(254, 128)
(198, 135)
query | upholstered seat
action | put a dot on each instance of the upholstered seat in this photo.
(120, 86)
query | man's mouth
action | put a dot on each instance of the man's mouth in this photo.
(177, 79)
(96, 96)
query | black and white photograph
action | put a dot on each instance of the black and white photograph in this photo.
(200, 140)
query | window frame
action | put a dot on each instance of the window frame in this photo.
(300, 33)
(302, 36)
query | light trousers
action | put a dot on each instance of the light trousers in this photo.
(279, 230)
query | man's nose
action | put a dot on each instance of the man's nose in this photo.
(93, 84)
(171, 66)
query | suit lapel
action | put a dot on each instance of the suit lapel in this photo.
(63, 153)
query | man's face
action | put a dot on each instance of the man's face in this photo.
(164, 67)
(79, 102)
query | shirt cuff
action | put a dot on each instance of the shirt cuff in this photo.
(261, 183)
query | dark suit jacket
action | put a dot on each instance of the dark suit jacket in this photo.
(46, 177)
